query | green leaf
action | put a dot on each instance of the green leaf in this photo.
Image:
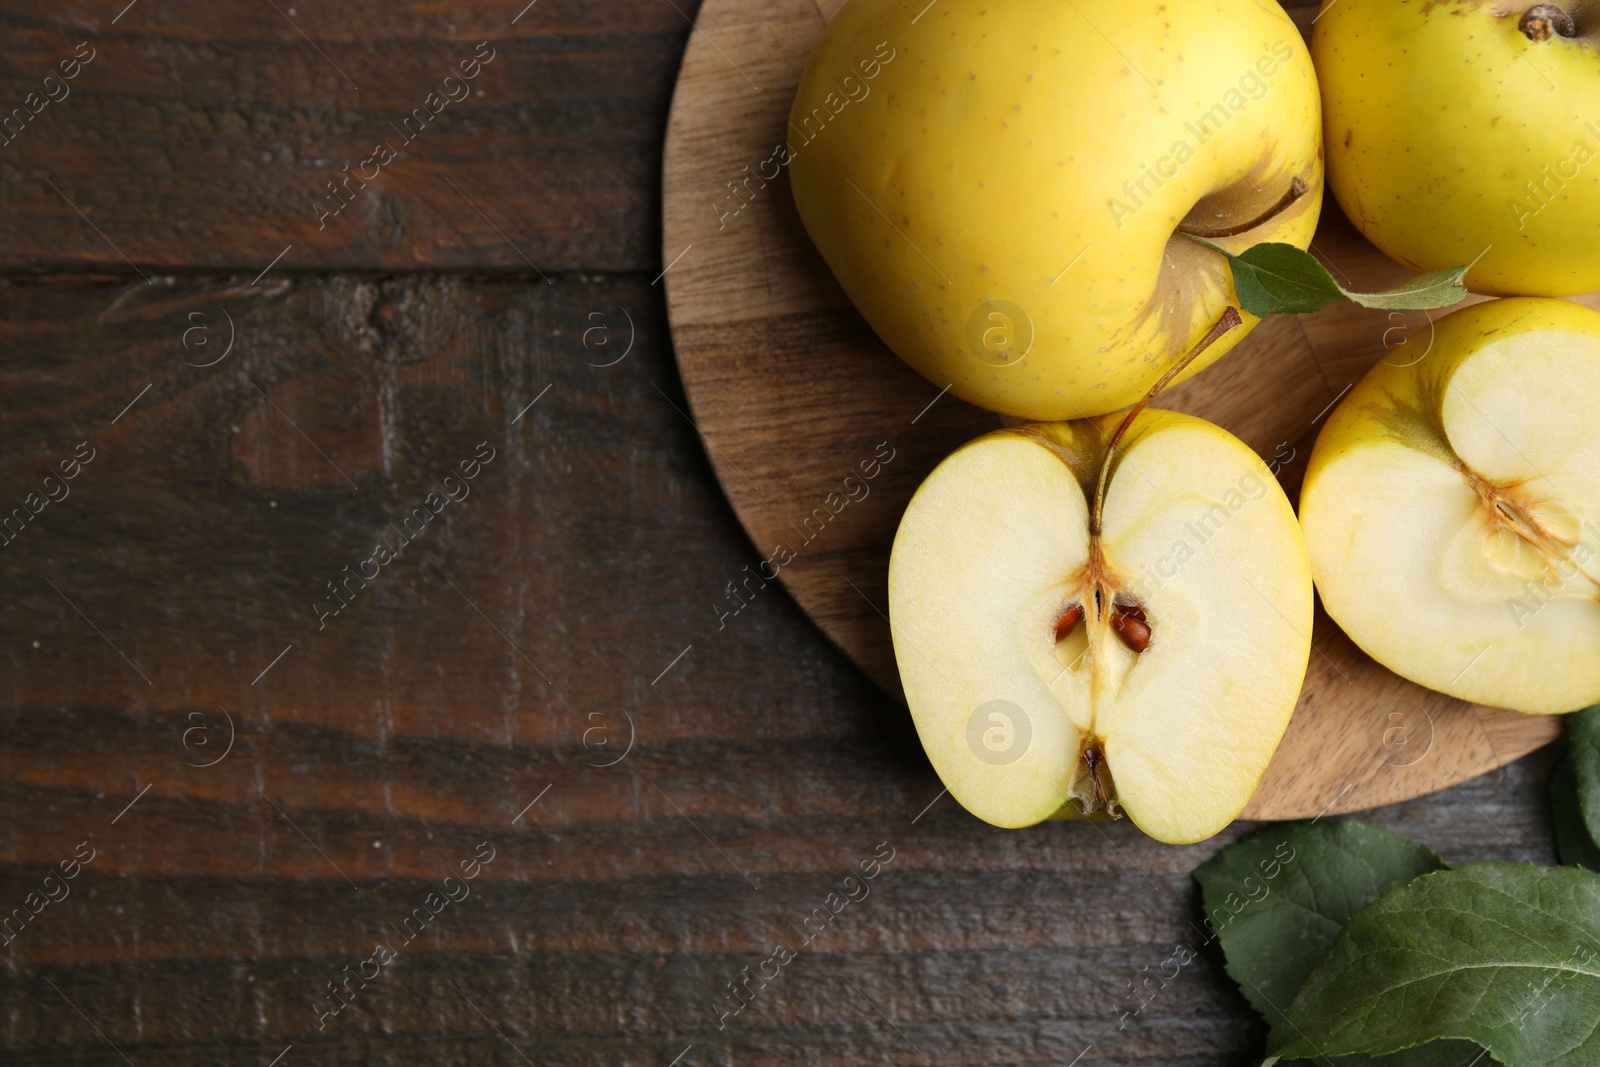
(1436, 289)
(1277, 278)
(1583, 730)
(1433, 1054)
(1326, 871)
(1575, 792)
(1573, 838)
(1336, 869)
(1504, 955)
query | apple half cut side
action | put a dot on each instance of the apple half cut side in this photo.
(1451, 508)
(1149, 670)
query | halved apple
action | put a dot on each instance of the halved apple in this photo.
(1451, 506)
(1147, 664)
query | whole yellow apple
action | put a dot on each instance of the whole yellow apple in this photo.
(999, 185)
(1452, 508)
(1468, 133)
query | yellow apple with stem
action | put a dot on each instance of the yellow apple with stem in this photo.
(1468, 132)
(1002, 187)
(1105, 616)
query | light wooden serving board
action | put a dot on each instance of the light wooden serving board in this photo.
(792, 392)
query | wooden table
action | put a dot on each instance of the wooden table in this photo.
(280, 744)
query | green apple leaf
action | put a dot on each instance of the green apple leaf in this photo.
(1505, 955)
(1435, 289)
(1575, 792)
(1336, 868)
(1573, 838)
(1583, 731)
(1325, 872)
(1433, 1054)
(1280, 279)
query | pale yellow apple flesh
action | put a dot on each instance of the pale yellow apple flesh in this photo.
(1452, 508)
(1196, 537)
(998, 184)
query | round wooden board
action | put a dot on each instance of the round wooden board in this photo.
(792, 392)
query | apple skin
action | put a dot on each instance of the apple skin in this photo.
(1400, 516)
(1451, 136)
(985, 161)
(1196, 531)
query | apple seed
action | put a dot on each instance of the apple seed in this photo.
(1130, 625)
(1070, 617)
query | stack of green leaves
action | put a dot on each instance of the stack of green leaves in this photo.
(1366, 949)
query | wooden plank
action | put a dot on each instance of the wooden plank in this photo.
(952, 940)
(384, 748)
(199, 136)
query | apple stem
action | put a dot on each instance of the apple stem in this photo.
(1541, 20)
(1297, 189)
(1230, 318)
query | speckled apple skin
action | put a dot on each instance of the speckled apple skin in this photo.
(977, 171)
(1453, 138)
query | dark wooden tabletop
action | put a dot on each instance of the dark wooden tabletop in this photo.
(363, 649)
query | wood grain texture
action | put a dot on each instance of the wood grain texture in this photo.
(385, 747)
(772, 353)
(204, 136)
(381, 750)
